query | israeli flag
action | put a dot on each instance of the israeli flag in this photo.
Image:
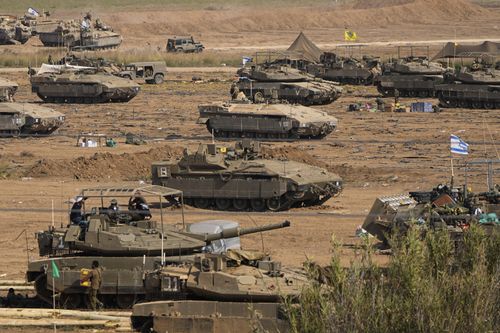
(458, 146)
(244, 60)
(85, 25)
(33, 12)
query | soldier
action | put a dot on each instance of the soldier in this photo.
(76, 215)
(234, 91)
(95, 277)
(113, 207)
(137, 204)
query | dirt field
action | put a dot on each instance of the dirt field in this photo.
(376, 153)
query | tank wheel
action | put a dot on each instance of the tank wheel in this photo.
(452, 103)
(273, 204)
(273, 135)
(78, 100)
(223, 203)
(258, 205)
(126, 301)
(58, 100)
(240, 204)
(202, 203)
(423, 93)
(260, 135)
(234, 134)
(70, 301)
(249, 135)
(159, 78)
(258, 97)
(476, 105)
(41, 289)
(88, 100)
(489, 105)
(463, 104)
(412, 93)
(15, 133)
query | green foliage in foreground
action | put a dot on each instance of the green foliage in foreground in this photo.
(430, 285)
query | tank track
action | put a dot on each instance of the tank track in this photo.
(84, 100)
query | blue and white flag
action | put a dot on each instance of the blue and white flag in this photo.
(458, 146)
(33, 12)
(244, 60)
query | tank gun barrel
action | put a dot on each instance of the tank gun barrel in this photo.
(237, 231)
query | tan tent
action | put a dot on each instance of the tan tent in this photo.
(303, 45)
(450, 50)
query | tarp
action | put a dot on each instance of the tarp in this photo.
(304, 46)
(46, 68)
(451, 50)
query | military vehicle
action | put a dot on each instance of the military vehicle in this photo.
(60, 33)
(444, 207)
(345, 70)
(128, 245)
(220, 292)
(73, 84)
(265, 121)
(240, 179)
(271, 81)
(7, 90)
(13, 31)
(28, 119)
(151, 72)
(477, 86)
(184, 45)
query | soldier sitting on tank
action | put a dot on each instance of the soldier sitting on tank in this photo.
(13, 300)
(139, 208)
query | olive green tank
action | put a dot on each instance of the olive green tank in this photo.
(267, 82)
(477, 87)
(220, 292)
(265, 121)
(74, 84)
(128, 244)
(410, 76)
(7, 89)
(28, 119)
(240, 179)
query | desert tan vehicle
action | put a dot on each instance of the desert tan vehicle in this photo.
(239, 179)
(7, 89)
(13, 31)
(74, 84)
(59, 33)
(151, 72)
(28, 119)
(265, 121)
(184, 45)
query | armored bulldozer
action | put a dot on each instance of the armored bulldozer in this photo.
(74, 84)
(477, 87)
(128, 244)
(28, 119)
(410, 76)
(240, 179)
(265, 121)
(7, 90)
(345, 70)
(218, 292)
(444, 207)
(269, 82)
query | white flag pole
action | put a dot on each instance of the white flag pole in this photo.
(54, 301)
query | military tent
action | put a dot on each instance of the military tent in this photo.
(451, 50)
(303, 45)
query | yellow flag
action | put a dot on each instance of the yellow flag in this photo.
(350, 35)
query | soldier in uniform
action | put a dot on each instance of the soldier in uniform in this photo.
(95, 277)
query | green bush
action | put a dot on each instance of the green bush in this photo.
(431, 284)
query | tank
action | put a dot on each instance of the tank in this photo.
(240, 179)
(60, 33)
(345, 70)
(265, 121)
(410, 76)
(219, 291)
(279, 82)
(12, 31)
(7, 89)
(477, 87)
(74, 84)
(97, 39)
(127, 245)
(28, 119)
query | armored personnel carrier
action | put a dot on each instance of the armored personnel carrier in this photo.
(239, 179)
(219, 291)
(265, 121)
(345, 70)
(73, 84)
(477, 86)
(7, 89)
(95, 35)
(279, 82)
(410, 76)
(28, 119)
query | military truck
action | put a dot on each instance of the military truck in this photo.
(129, 244)
(74, 84)
(151, 72)
(239, 179)
(476, 86)
(28, 119)
(265, 121)
(184, 45)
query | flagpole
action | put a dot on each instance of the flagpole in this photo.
(452, 172)
(54, 302)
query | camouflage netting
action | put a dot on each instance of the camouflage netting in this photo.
(450, 50)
